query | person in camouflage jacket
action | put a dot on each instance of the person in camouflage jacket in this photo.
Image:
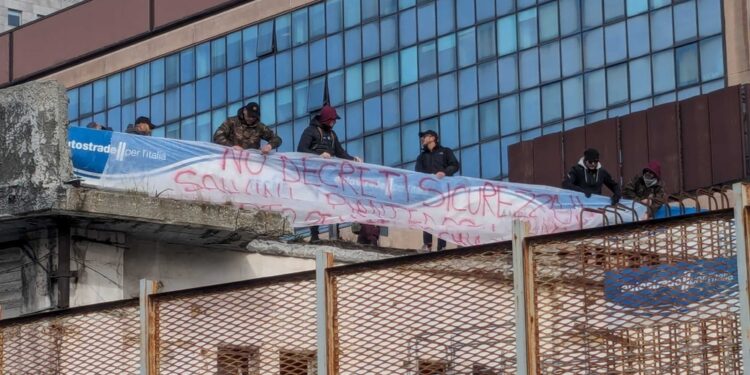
(647, 187)
(245, 131)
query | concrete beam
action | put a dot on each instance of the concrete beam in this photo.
(306, 251)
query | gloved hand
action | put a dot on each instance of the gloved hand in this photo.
(587, 193)
(615, 199)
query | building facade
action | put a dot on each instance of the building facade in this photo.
(14, 13)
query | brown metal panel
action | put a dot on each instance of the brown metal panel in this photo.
(170, 11)
(664, 144)
(574, 143)
(548, 167)
(696, 143)
(727, 156)
(602, 136)
(78, 31)
(634, 144)
(4, 58)
(520, 162)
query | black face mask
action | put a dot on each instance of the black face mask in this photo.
(325, 127)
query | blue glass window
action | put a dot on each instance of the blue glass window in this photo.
(351, 13)
(250, 79)
(333, 16)
(489, 124)
(300, 99)
(712, 86)
(617, 84)
(371, 34)
(128, 113)
(372, 114)
(687, 65)
(508, 74)
(286, 133)
(354, 124)
(172, 131)
(317, 57)
(72, 104)
(128, 85)
(613, 9)
(427, 59)
(486, 41)
(447, 53)
(593, 49)
(369, 10)
(449, 130)
(374, 149)
(685, 18)
(299, 27)
(172, 67)
(527, 32)
(316, 94)
(157, 76)
(217, 118)
(709, 17)
(300, 67)
(509, 116)
(506, 35)
(662, 65)
(409, 71)
(353, 42)
(219, 90)
(114, 118)
(203, 127)
(234, 85)
(470, 165)
(592, 13)
(388, 7)
(448, 92)
(203, 60)
(85, 100)
(636, 7)
(426, 22)
(268, 101)
(490, 153)
(638, 38)
(392, 141)
(100, 95)
(712, 58)
(529, 64)
(485, 9)
(234, 49)
(203, 94)
(283, 68)
(468, 126)
(573, 97)
(336, 88)
(284, 108)
(335, 51)
(548, 26)
(388, 34)
(688, 93)
(505, 6)
(157, 108)
(235, 107)
(265, 38)
(596, 96)
(317, 21)
(409, 103)
(467, 86)
(549, 59)
(446, 21)
(640, 78)
(615, 42)
(267, 73)
(390, 71)
(488, 81)
(428, 98)
(530, 105)
(525, 3)
(391, 113)
(407, 27)
(467, 52)
(371, 77)
(172, 105)
(465, 13)
(187, 99)
(249, 43)
(551, 103)
(570, 17)
(187, 129)
(354, 147)
(142, 81)
(661, 29)
(283, 32)
(353, 83)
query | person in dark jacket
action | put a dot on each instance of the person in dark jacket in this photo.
(368, 234)
(588, 176)
(320, 139)
(441, 162)
(245, 131)
(142, 126)
(647, 187)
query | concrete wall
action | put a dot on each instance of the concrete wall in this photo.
(737, 40)
(98, 258)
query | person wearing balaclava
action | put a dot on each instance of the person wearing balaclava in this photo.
(647, 187)
(245, 131)
(588, 176)
(320, 139)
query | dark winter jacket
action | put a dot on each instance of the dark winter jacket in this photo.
(588, 181)
(235, 131)
(637, 189)
(316, 140)
(440, 159)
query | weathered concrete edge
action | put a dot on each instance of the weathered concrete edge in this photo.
(308, 251)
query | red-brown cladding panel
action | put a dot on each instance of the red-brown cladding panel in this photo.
(696, 143)
(663, 144)
(4, 59)
(574, 143)
(727, 161)
(78, 31)
(520, 162)
(634, 147)
(169, 11)
(602, 136)
(548, 168)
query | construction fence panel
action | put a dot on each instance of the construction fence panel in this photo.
(654, 298)
(445, 313)
(264, 326)
(105, 341)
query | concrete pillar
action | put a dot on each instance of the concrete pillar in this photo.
(737, 41)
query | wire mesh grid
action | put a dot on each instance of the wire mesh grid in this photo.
(444, 314)
(654, 299)
(100, 342)
(263, 329)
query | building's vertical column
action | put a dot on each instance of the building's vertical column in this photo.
(325, 308)
(63, 275)
(742, 233)
(524, 289)
(148, 315)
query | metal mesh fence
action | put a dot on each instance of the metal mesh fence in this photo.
(101, 342)
(658, 298)
(263, 329)
(446, 314)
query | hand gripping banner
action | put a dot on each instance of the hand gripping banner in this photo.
(310, 190)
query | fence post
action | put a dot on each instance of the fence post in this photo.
(742, 233)
(148, 326)
(523, 288)
(324, 308)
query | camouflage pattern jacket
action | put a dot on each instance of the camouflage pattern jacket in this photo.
(235, 132)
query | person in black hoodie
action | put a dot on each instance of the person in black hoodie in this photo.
(320, 139)
(588, 176)
(441, 162)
